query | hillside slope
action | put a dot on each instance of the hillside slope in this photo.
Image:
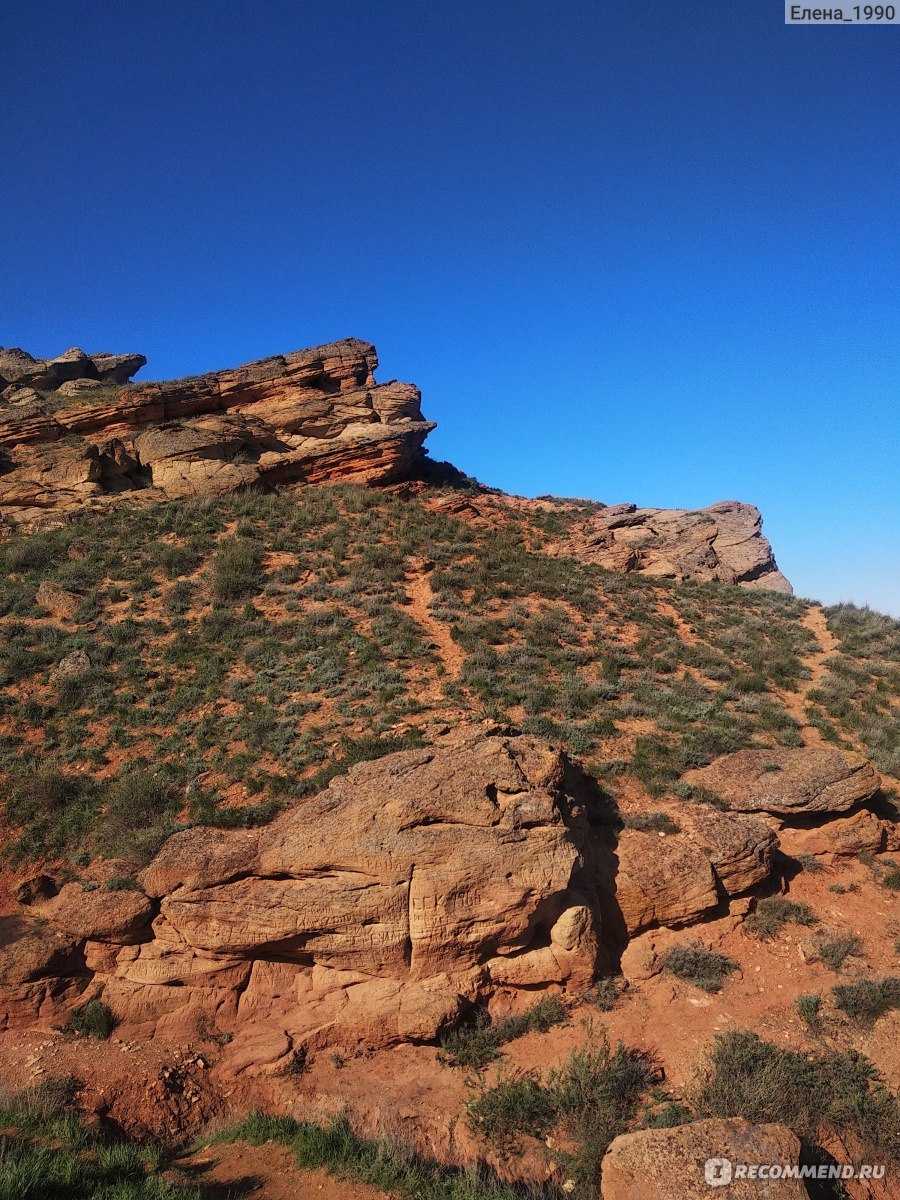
(298, 782)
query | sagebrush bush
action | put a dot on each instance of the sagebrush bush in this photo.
(773, 913)
(697, 964)
(868, 999)
(813, 1095)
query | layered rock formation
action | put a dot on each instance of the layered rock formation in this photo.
(804, 782)
(723, 542)
(419, 883)
(314, 416)
(675, 880)
(412, 884)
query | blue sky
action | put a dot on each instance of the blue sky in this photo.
(633, 252)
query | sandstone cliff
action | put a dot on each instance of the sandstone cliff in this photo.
(310, 417)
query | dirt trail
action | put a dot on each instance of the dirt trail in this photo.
(796, 702)
(418, 589)
(267, 1172)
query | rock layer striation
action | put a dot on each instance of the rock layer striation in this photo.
(315, 416)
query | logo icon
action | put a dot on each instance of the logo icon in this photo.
(718, 1172)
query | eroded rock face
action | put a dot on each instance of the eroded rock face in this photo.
(662, 880)
(314, 416)
(723, 542)
(789, 783)
(670, 1164)
(740, 848)
(409, 885)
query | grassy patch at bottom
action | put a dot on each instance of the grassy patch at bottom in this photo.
(345, 1155)
(47, 1154)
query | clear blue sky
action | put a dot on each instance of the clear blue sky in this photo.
(629, 251)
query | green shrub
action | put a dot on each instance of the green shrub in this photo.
(94, 1019)
(833, 951)
(607, 991)
(697, 964)
(814, 1095)
(809, 1009)
(474, 1046)
(773, 913)
(592, 1097)
(868, 999)
(517, 1103)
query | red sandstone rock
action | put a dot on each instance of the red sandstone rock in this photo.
(315, 416)
(722, 542)
(789, 783)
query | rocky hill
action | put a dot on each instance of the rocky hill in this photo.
(378, 793)
(72, 435)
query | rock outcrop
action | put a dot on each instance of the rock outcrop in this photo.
(70, 373)
(789, 783)
(677, 879)
(375, 909)
(671, 1164)
(315, 416)
(723, 542)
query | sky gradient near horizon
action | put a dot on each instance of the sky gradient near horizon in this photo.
(629, 252)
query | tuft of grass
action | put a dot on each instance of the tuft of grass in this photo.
(46, 1153)
(94, 1019)
(697, 964)
(651, 822)
(607, 991)
(236, 569)
(380, 1164)
(474, 1046)
(810, 863)
(809, 1009)
(772, 914)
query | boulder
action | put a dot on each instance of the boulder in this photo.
(844, 837)
(51, 374)
(71, 666)
(100, 915)
(789, 783)
(700, 1159)
(662, 880)
(739, 847)
(31, 952)
(374, 906)
(56, 600)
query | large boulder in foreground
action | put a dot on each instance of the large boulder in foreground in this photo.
(723, 542)
(672, 1164)
(410, 884)
(789, 783)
